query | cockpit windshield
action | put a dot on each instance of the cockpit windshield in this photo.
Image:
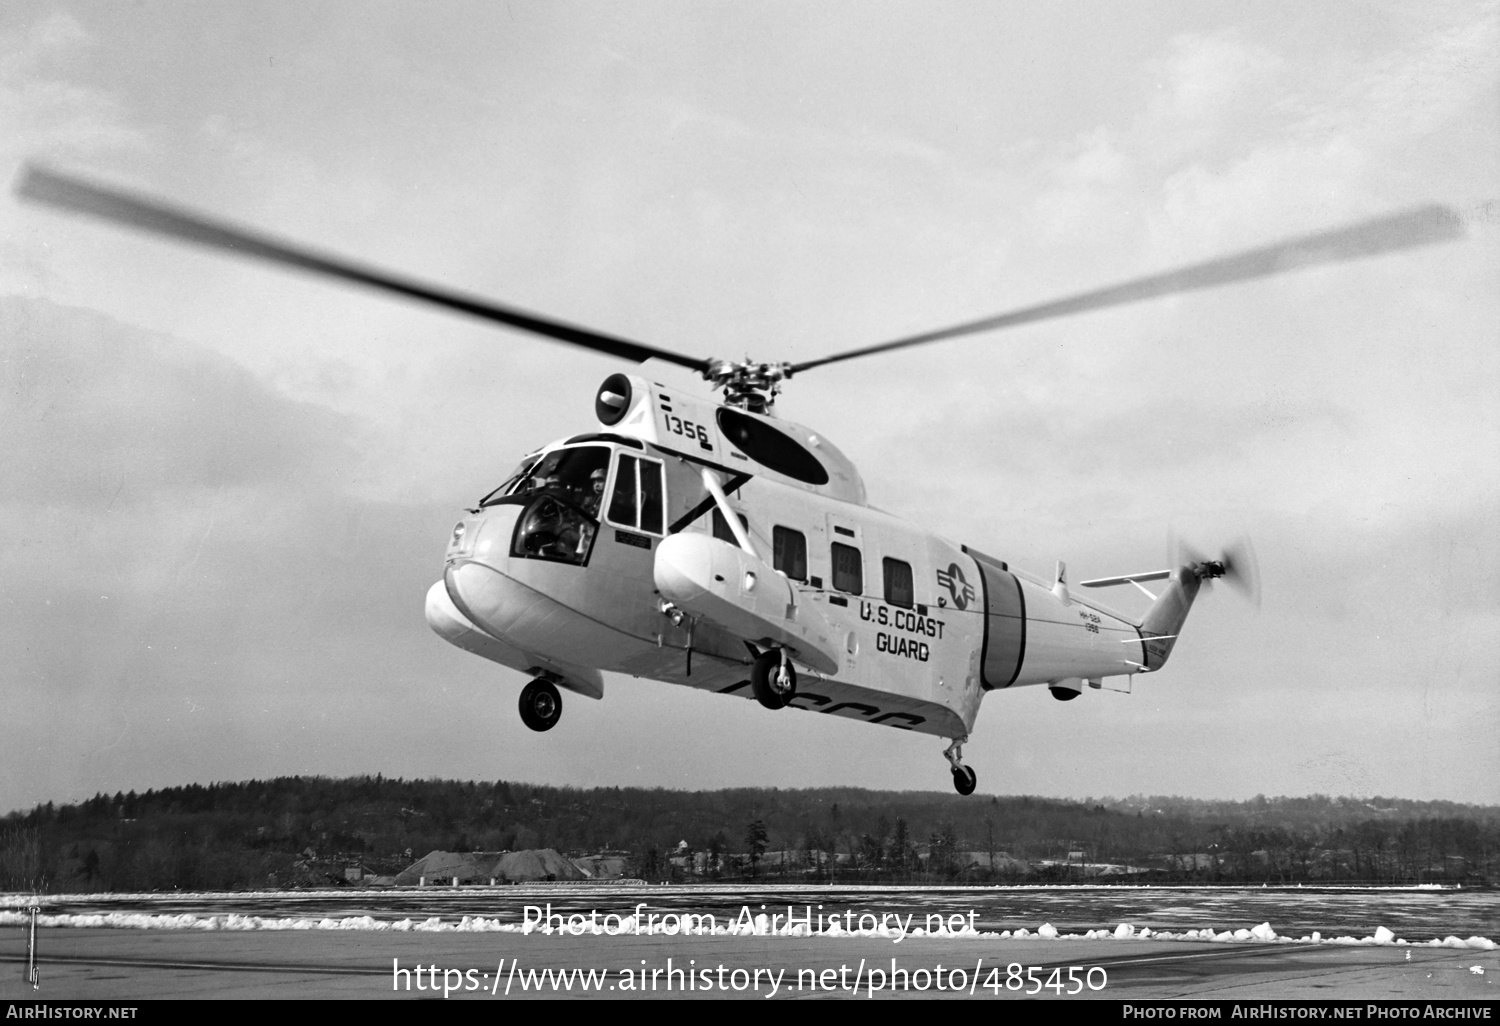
(575, 475)
(527, 462)
(560, 493)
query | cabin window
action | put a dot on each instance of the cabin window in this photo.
(639, 498)
(789, 552)
(898, 586)
(721, 527)
(848, 569)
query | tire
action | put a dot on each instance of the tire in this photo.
(541, 705)
(965, 781)
(763, 673)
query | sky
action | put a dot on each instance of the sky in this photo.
(225, 489)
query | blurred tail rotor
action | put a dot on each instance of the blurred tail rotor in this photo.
(1236, 565)
(1242, 569)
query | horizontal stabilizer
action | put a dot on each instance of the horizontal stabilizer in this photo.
(1105, 582)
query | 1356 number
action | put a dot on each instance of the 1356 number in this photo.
(686, 428)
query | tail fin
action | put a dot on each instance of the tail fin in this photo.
(1164, 620)
(1169, 610)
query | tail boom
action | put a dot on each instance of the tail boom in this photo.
(1164, 620)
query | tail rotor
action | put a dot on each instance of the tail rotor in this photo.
(1242, 569)
(1236, 566)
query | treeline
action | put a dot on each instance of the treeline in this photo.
(269, 833)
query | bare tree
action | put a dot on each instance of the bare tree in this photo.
(21, 865)
(756, 843)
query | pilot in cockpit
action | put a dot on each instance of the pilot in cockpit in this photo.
(564, 496)
(594, 498)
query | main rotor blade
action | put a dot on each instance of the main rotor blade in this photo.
(151, 215)
(1400, 231)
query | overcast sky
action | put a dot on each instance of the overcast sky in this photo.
(224, 490)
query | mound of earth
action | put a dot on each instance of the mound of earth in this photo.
(536, 864)
(601, 867)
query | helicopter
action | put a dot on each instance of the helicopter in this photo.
(709, 543)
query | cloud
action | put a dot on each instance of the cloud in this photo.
(96, 411)
(177, 533)
(48, 36)
(1204, 82)
(1424, 87)
(1251, 143)
(46, 115)
(1236, 141)
(42, 111)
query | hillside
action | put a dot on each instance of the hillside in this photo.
(255, 833)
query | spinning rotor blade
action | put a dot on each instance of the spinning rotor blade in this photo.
(151, 215)
(1367, 238)
(1236, 566)
(1242, 570)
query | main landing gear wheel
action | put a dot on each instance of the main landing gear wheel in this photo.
(965, 780)
(541, 705)
(964, 777)
(773, 680)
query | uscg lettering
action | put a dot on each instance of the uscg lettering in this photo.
(902, 620)
(897, 645)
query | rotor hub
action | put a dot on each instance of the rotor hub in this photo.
(1209, 569)
(750, 385)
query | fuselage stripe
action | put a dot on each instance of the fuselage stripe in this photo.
(984, 620)
(1020, 655)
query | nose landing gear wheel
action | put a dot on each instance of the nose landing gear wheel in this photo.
(541, 705)
(965, 780)
(773, 681)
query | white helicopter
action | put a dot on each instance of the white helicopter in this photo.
(707, 543)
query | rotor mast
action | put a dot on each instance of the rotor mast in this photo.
(751, 386)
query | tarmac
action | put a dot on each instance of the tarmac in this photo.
(115, 965)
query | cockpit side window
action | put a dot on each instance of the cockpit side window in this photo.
(622, 505)
(652, 497)
(638, 500)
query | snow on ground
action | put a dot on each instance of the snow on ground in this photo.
(672, 925)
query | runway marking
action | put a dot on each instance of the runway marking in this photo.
(250, 967)
(1220, 952)
(1194, 956)
(149, 963)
